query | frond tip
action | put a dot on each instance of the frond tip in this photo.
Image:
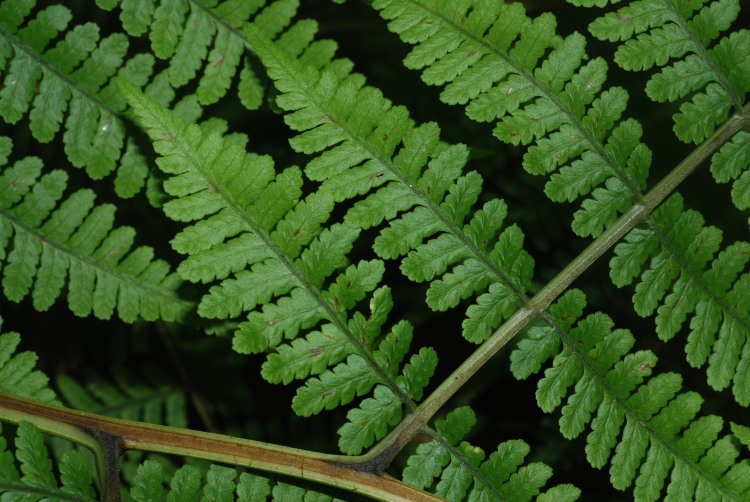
(644, 426)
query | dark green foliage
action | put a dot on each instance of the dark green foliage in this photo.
(360, 254)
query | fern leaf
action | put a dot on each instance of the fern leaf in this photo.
(731, 163)
(293, 286)
(498, 62)
(67, 87)
(36, 474)
(463, 473)
(644, 426)
(399, 168)
(189, 483)
(147, 398)
(204, 40)
(714, 302)
(683, 33)
(44, 241)
(17, 373)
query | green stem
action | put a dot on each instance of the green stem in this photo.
(106, 436)
(537, 306)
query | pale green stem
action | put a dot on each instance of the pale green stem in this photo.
(106, 437)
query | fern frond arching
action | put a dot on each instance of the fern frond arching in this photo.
(716, 302)
(68, 87)
(37, 476)
(643, 426)
(403, 169)
(504, 475)
(145, 398)
(17, 374)
(287, 280)
(48, 245)
(682, 37)
(492, 56)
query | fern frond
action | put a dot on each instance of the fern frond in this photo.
(204, 39)
(215, 483)
(68, 87)
(465, 472)
(280, 269)
(146, 398)
(687, 40)
(27, 473)
(742, 433)
(492, 56)
(17, 373)
(369, 147)
(47, 243)
(553, 103)
(716, 301)
(731, 162)
(644, 426)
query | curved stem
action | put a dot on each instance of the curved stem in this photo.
(105, 435)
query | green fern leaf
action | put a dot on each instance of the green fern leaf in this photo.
(714, 301)
(67, 87)
(714, 72)
(291, 281)
(216, 483)
(183, 31)
(402, 169)
(644, 426)
(464, 474)
(731, 163)
(17, 373)
(498, 61)
(44, 241)
(742, 432)
(36, 474)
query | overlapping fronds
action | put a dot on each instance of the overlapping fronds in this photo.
(204, 38)
(215, 483)
(502, 63)
(17, 373)
(67, 86)
(282, 268)
(492, 56)
(149, 398)
(645, 427)
(687, 41)
(455, 469)
(27, 473)
(368, 147)
(48, 244)
(716, 302)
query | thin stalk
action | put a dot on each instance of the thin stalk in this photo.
(88, 430)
